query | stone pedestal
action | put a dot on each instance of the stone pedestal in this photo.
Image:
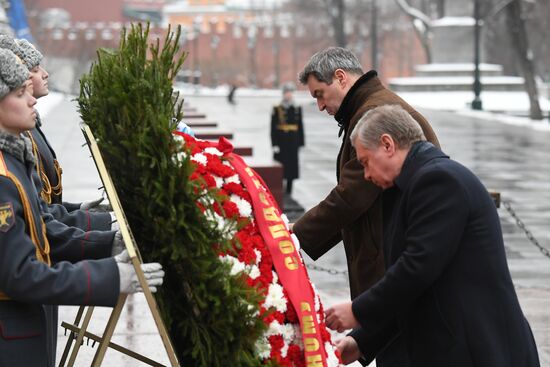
(453, 40)
(452, 67)
(459, 8)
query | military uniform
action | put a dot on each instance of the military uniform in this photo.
(34, 273)
(287, 133)
(48, 184)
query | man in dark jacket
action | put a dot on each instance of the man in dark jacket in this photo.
(447, 286)
(352, 211)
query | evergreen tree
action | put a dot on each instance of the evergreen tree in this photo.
(128, 101)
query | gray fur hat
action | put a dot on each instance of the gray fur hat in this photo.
(12, 72)
(28, 54)
(289, 87)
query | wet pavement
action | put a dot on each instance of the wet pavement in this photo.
(512, 160)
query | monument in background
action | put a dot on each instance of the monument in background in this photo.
(452, 67)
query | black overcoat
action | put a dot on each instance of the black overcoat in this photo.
(447, 286)
(287, 132)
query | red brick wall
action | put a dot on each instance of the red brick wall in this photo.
(232, 61)
(82, 10)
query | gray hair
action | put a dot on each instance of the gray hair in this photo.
(387, 119)
(13, 73)
(323, 64)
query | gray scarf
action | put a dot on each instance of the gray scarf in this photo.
(17, 145)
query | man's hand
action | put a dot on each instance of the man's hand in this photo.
(349, 350)
(340, 317)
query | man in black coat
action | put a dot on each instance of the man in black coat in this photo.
(447, 287)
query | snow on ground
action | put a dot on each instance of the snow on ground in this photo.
(506, 107)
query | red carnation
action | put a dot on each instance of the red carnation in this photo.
(276, 342)
(230, 208)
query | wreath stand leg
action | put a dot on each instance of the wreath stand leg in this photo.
(131, 246)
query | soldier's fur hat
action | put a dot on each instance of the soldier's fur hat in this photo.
(12, 72)
(28, 54)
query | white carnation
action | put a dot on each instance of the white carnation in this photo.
(236, 265)
(263, 348)
(213, 151)
(253, 271)
(245, 209)
(275, 277)
(200, 158)
(233, 179)
(284, 350)
(219, 181)
(275, 298)
(275, 328)
(179, 157)
(178, 138)
(258, 256)
(222, 226)
(288, 333)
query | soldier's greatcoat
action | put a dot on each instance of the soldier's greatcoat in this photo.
(287, 132)
(38, 270)
(49, 186)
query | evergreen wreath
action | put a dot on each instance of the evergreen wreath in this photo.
(127, 100)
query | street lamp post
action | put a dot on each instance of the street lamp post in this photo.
(215, 41)
(252, 51)
(196, 66)
(476, 103)
(374, 35)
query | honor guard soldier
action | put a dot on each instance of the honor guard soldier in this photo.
(37, 271)
(287, 135)
(48, 181)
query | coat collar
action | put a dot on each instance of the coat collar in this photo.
(420, 153)
(364, 86)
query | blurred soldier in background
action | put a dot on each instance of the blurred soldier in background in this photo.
(287, 135)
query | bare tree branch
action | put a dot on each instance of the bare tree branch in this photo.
(520, 42)
(422, 25)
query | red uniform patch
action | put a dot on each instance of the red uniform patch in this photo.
(7, 217)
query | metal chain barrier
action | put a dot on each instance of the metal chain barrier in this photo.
(326, 270)
(506, 205)
(527, 232)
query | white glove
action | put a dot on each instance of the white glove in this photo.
(89, 204)
(118, 244)
(129, 282)
(276, 149)
(114, 223)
